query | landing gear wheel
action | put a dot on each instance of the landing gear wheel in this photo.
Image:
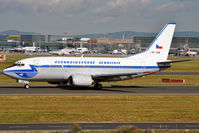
(26, 86)
(98, 86)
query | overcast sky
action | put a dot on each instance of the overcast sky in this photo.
(97, 16)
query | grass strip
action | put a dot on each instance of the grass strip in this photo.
(33, 109)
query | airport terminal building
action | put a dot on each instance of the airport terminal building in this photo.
(102, 45)
(177, 42)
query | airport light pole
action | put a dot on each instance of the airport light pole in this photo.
(65, 34)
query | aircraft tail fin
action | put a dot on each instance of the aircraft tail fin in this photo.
(159, 48)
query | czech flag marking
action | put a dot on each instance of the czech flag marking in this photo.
(158, 47)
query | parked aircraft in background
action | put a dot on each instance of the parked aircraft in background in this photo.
(191, 53)
(186, 52)
(24, 49)
(62, 51)
(67, 51)
(119, 51)
(27, 49)
(88, 71)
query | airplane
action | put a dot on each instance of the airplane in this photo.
(90, 71)
(119, 51)
(26, 48)
(63, 51)
(67, 51)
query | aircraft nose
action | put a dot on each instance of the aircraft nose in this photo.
(7, 72)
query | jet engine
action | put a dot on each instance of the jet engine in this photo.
(81, 80)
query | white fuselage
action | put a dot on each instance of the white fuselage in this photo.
(61, 68)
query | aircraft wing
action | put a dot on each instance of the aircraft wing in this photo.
(116, 77)
(173, 61)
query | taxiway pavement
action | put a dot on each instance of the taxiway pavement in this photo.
(96, 126)
(107, 90)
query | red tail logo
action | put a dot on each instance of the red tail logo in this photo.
(158, 47)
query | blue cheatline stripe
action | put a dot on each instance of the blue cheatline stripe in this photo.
(34, 70)
(97, 66)
(44, 66)
(172, 23)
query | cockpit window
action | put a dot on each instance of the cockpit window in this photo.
(18, 64)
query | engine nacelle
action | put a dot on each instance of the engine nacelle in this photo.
(81, 80)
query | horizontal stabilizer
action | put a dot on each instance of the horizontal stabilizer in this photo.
(174, 61)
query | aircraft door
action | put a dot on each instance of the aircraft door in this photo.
(142, 65)
(36, 65)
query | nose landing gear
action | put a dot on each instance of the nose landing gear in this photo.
(26, 86)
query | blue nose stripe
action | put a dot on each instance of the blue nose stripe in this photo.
(26, 73)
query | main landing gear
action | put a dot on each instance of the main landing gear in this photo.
(26, 86)
(98, 86)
